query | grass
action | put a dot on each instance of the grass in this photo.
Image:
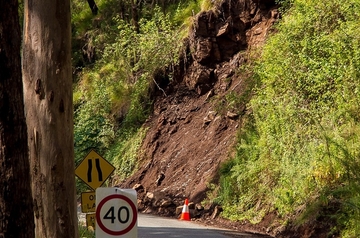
(86, 232)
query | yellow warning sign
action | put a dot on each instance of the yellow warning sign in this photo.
(94, 170)
(88, 202)
(90, 220)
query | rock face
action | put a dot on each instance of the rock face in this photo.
(189, 136)
(220, 34)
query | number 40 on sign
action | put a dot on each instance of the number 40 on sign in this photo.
(116, 213)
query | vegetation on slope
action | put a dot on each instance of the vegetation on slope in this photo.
(298, 152)
(116, 60)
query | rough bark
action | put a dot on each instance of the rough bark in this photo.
(47, 83)
(16, 209)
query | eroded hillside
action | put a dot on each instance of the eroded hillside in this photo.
(192, 130)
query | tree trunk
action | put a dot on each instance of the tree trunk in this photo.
(122, 9)
(47, 83)
(93, 6)
(135, 16)
(16, 208)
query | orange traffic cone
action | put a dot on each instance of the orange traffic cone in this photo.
(185, 215)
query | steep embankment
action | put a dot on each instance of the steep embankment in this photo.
(191, 131)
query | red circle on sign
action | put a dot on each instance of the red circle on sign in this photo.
(103, 227)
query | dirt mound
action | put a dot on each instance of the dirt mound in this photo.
(190, 134)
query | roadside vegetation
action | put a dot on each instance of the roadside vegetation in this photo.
(116, 58)
(298, 150)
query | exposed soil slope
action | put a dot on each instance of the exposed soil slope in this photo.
(190, 134)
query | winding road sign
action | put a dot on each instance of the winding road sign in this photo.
(116, 213)
(94, 170)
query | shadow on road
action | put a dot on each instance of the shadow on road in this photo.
(169, 232)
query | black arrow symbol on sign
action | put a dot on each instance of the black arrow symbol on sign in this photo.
(97, 164)
(89, 170)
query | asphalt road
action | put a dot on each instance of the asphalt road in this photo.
(150, 226)
(157, 227)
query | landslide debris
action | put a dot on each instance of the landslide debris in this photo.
(191, 131)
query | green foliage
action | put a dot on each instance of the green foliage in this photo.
(81, 16)
(156, 45)
(126, 152)
(84, 232)
(302, 144)
(93, 129)
(112, 95)
(21, 13)
(185, 11)
(284, 4)
(206, 5)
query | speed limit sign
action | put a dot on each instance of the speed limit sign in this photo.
(116, 213)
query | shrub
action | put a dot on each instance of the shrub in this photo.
(305, 112)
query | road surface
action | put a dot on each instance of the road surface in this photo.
(150, 226)
(157, 227)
